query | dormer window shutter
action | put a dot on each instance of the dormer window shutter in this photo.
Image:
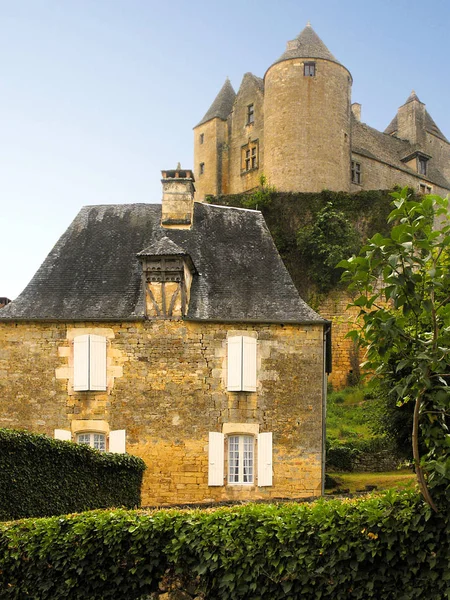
(89, 363)
(241, 364)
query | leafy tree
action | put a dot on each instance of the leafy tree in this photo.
(402, 287)
(324, 243)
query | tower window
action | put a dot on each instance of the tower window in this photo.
(249, 158)
(356, 172)
(309, 69)
(250, 114)
(422, 165)
(202, 168)
(202, 138)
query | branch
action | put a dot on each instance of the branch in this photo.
(416, 454)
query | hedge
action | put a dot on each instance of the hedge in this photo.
(385, 547)
(40, 476)
(347, 456)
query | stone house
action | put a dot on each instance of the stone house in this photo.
(173, 332)
(298, 127)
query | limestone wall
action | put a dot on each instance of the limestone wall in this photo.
(167, 388)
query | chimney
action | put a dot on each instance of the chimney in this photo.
(356, 110)
(178, 198)
(411, 120)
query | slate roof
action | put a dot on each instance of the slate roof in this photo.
(307, 45)
(93, 272)
(375, 144)
(222, 105)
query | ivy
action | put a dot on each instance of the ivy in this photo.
(41, 477)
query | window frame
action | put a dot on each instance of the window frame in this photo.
(309, 69)
(250, 114)
(92, 442)
(356, 172)
(202, 168)
(241, 445)
(250, 157)
(422, 165)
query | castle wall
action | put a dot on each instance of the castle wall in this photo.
(440, 154)
(166, 387)
(211, 151)
(244, 136)
(307, 127)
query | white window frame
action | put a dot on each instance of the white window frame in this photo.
(241, 460)
(115, 442)
(94, 439)
(89, 363)
(242, 364)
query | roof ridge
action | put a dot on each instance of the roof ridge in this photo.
(222, 104)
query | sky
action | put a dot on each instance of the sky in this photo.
(98, 96)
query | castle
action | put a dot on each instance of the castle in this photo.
(298, 128)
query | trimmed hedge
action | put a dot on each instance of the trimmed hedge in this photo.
(386, 547)
(42, 477)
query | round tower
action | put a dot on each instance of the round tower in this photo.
(307, 118)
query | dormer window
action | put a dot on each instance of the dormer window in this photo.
(309, 69)
(422, 165)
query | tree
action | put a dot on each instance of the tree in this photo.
(402, 288)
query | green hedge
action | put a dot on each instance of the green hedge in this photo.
(385, 547)
(345, 456)
(42, 477)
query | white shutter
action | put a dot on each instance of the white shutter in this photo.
(81, 363)
(265, 459)
(215, 458)
(117, 441)
(234, 365)
(97, 363)
(63, 434)
(249, 364)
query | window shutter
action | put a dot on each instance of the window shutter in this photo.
(63, 434)
(234, 365)
(249, 364)
(215, 458)
(81, 363)
(265, 459)
(97, 363)
(117, 441)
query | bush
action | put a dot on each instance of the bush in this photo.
(42, 477)
(386, 547)
(347, 456)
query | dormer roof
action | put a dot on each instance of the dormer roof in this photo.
(307, 45)
(222, 105)
(162, 247)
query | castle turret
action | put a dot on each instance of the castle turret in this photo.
(210, 145)
(307, 118)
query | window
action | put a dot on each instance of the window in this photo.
(309, 69)
(424, 189)
(249, 159)
(202, 168)
(240, 459)
(241, 364)
(250, 114)
(89, 363)
(202, 138)
(356, 172)
(94, 440)
(422, 165)
(240, 456)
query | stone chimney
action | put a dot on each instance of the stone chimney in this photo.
(178, 198)
(411, 120)
(356, 110)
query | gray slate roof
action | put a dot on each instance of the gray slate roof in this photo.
(93, 272)
(307, 45)
(222, 105)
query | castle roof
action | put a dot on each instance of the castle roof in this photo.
(430, 125)
(307, 45)
(94, 274)
(222, 105)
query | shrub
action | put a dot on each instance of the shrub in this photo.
(42, 477)
(386, 547)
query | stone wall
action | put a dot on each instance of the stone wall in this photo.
(167, 388)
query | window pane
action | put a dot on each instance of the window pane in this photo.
(83, 438)
(248, 459)
(99, 442)
(233, 459)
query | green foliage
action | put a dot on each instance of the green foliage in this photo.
(406, 324)
(262, 197)
(287, 213)
(41, 477)
(386, 547)
(347, 415)
(324, 243)
(343, 456)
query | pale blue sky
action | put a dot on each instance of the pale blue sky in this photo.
(97, 96)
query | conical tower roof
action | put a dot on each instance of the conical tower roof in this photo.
(307, 45)
(222, 105)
